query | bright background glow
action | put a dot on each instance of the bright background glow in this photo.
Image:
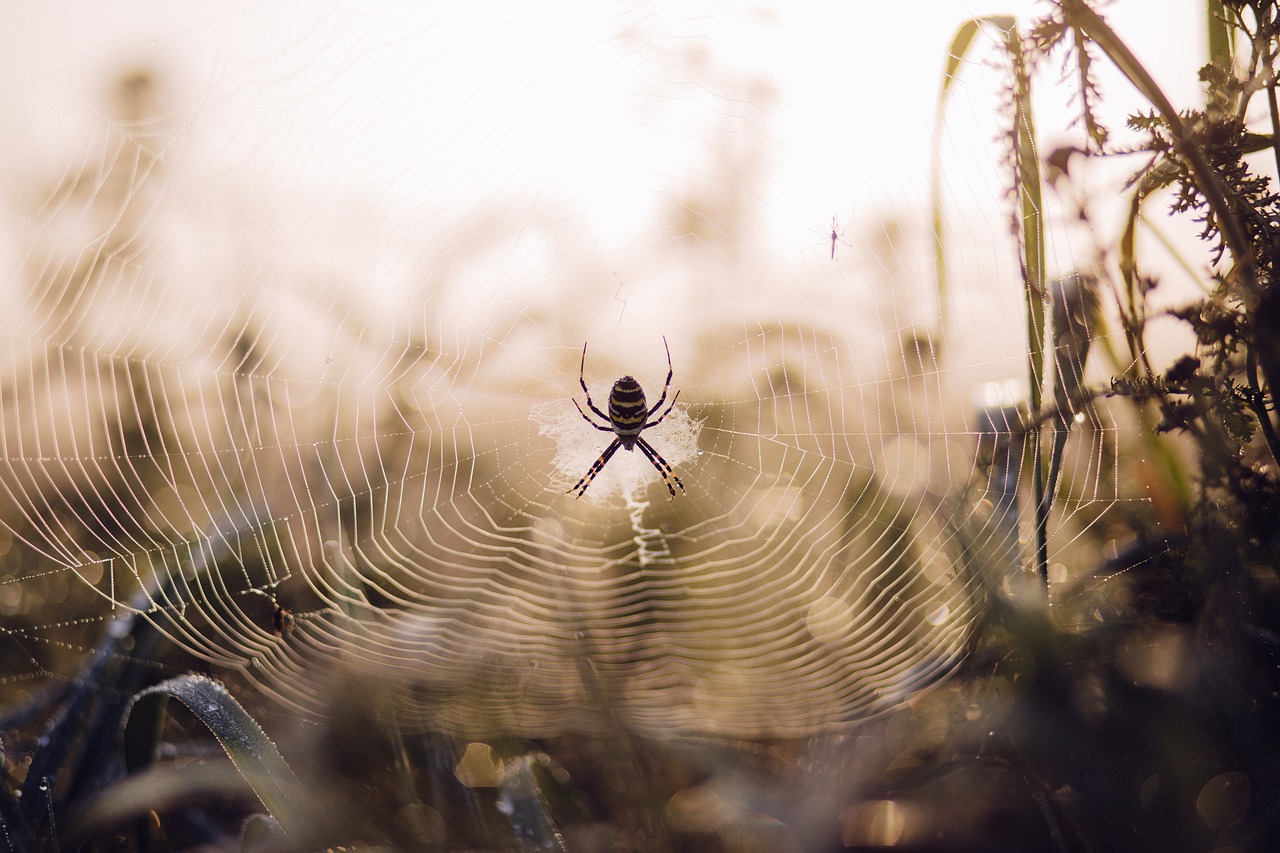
(590, 105)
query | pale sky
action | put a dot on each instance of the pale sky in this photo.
(427, 103)
(593, 113)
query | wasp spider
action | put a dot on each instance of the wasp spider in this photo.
(628, 416)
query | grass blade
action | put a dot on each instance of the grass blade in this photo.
(246, 744)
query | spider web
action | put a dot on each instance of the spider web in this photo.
(296, 297)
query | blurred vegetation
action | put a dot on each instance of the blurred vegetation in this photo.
(1139, 712)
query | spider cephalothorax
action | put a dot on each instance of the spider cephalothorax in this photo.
(628, 416)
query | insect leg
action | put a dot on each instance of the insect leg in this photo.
(664, 467)
(581, 486)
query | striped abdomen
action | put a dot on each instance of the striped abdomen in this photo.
(627, 410)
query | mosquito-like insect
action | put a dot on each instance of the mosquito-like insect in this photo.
(628, 416)
(836, 235)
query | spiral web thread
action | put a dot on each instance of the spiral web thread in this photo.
(363, 401)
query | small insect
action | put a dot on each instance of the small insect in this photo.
(835, 235)
(281, 621)
(629, 415)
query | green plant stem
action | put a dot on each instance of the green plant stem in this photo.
(1027, 176)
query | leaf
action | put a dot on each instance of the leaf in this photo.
(18, 834)
(246, 744)
(1079, 14)
(520, 798)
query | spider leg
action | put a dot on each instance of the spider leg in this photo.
(593, 423)
(667, 385)
(664, 467)
(581, 487)
(664, 414)
(582, 380)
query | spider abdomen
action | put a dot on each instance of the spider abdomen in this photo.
(628, 409)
